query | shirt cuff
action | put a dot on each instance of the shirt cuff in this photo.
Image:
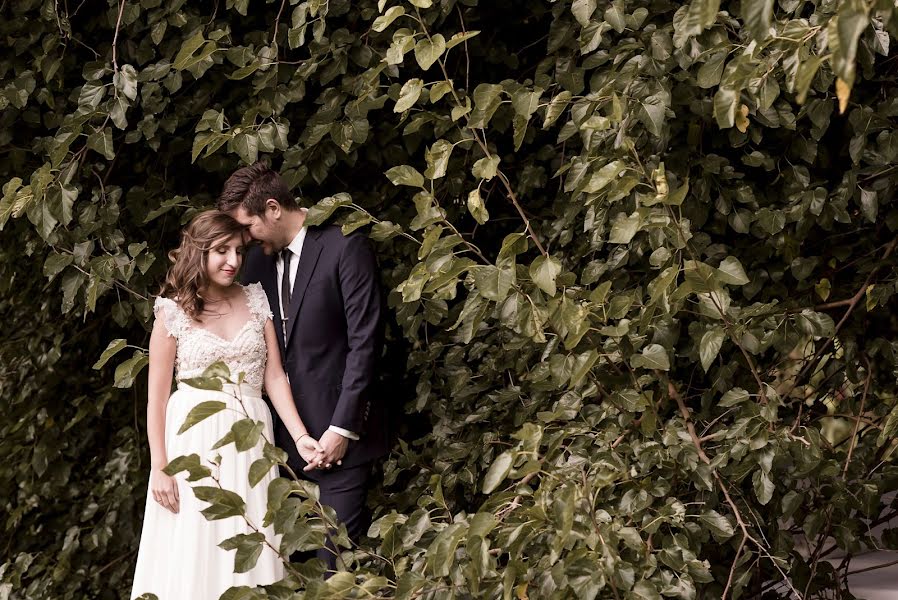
(344, 432)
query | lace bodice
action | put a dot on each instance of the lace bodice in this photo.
(198, 348)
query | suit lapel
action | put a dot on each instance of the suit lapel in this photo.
(311, 249)
(269, 281)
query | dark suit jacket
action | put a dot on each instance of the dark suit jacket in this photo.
(333, 341)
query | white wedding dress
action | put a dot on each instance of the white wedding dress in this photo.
(179, 557)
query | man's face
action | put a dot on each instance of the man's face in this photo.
(262, 228)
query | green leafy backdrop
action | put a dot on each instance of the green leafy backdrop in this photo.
(640, 254)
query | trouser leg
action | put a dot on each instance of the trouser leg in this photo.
(346, 491)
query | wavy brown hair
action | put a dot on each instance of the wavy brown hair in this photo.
(187, 280)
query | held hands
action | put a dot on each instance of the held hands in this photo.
(164, 489)
(310, 451)
(334, 448)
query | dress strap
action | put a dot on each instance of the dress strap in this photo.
(175, 319)
(258, 302)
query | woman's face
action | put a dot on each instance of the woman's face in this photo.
(224, 259)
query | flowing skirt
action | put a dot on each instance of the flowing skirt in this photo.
(179, 557)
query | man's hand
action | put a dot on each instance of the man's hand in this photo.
(334, 446)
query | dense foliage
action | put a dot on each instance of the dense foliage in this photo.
(640, 256)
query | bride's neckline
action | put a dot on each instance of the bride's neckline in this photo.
(249, 319)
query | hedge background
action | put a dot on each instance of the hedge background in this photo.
(641, 256)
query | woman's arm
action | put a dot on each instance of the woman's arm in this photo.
(278, 388)
(162, 364)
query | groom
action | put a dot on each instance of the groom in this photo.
(323, 290)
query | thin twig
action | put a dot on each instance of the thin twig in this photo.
(851, 306)
(277, 21)
(118, 23)
(672, 392)
(857, 422)
(873, 568)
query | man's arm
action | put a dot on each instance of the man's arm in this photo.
(358, 276)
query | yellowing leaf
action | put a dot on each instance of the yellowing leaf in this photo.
(742, 119)
(843, 92)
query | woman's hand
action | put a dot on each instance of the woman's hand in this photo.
(310, 450)
(165, 490)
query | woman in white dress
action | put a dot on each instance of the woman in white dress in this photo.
(204, 316)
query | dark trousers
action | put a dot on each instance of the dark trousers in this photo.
(346, 491)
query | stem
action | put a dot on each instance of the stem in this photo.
(857, 422)
(118, 23)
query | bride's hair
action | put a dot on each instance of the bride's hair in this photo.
(186, 280)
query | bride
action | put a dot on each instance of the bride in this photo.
(204, 316)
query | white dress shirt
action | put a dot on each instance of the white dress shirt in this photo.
(296, 248)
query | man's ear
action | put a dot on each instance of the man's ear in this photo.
(273, 208)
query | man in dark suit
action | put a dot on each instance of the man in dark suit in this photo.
(323, 290)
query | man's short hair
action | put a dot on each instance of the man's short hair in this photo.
(251, 187)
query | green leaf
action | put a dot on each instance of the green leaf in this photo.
(408, 95)
(719, 526)
(710, 345)
(623, 229)
(201, 412)
(249, 548)
(113, 348)
(101, 142)
(247, 433)
(869, 205)
(127, 371)
(493, 282)
(730, 271)
(733, 397)
(486, 167)
(218, 369)
(405, 175)
(428, 51)
(645, 590)
(246, 145)
(191, 463)
(476, 206)
(653, 357)
(186, 57)
(692, 20)
(385, 230)
(355, 221)
(437, 158)
(556, 107)
(498, 471)
(55, 263)
(212, 384)
(763, 487)
(725, 101)
(582, 366)
(582, 11)
(756, 15)
(259, 469)
(544, 270)
(852, 20)
(604, 176)
(384, 21)
(459, 38)
(222, 503)
(711, 70)
(322, 211)
(654, 112)
(807, 69)
(439, 89)
(125, 80)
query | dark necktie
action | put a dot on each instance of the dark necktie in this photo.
(286, 288)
